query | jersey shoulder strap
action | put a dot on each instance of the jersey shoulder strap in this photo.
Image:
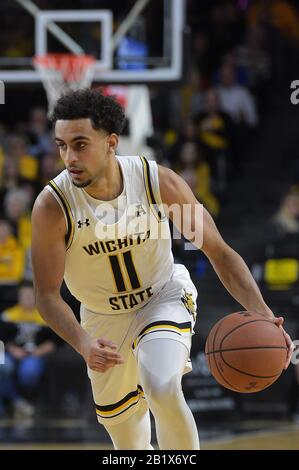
(56, 188)
(152, 188)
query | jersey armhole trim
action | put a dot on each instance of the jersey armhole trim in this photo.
(67, 212)
(149, 189)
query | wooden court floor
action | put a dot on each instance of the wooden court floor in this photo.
(262, 440)
(284, 440)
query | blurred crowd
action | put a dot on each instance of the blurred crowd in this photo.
(203, 129)
(240, 53)
(28, 161)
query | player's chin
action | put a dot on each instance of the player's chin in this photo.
(80, 182)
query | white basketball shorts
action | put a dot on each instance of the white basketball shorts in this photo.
(170, 314)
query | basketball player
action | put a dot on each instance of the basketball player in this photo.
(101, 225)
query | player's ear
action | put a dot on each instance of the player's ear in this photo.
(112, 141)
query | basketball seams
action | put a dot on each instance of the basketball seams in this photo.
(241, 326)
(223, 361)
(239, 370)
(245, 349)
(210, 338)
(209, 360)
(255, 347)
(208, 347)
(247, 373)
(219, 371)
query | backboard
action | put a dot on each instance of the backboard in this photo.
(136, 41)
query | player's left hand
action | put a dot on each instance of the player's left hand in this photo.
(279, 322)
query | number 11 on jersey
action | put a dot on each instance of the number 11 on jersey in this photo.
(123, 268)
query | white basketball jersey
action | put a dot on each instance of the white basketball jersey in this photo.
(116, 266)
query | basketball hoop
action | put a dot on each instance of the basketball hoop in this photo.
(63, 72)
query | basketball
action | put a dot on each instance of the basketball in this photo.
(246, 352)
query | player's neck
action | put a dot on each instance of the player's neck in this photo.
(110, 184)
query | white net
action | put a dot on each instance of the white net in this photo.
(62, 72)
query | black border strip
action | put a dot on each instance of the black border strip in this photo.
(68, 218)
(146, 175)
(119, 403)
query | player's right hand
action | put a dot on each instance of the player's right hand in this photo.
(100, 359)
(279, 322)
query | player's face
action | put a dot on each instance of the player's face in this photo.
(83, 149)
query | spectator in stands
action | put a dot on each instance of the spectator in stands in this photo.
(28, 341)
(10, 178)
(286, 219)
(280, 14)
(279, 256)
(202, 55)
(253, 57)
(215, 131)
(49, 168)
(39, 136)
(17, 205)
(17, 211)
(17, 150)
(226, 29)
(174, 139)
(235, 99)
(280, 22)
(282, 248)
(196, 172)
(187, 100)
(11, 265)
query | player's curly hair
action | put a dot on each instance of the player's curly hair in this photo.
(104, 112)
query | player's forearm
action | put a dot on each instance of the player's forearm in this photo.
(237, 279)
(60, 317)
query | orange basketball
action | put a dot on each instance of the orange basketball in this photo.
(246, 352)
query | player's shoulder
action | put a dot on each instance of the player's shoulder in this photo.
(46, 207)
(46, 201)
(164, 171)
(173, 188)
(48, 222)
(168, 177)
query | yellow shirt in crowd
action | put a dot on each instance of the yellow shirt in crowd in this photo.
(28, 167)
(12, 262)
(18, 314)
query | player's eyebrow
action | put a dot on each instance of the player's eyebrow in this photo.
(78, 137)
